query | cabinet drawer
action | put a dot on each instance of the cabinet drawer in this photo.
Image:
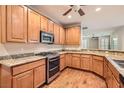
(98, 58)
(76, 55)
(28, 66)
(86, 56)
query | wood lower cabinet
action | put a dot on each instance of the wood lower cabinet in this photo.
(39, 75)
(16, 23)
(24, 80)
(76, 62)
(98, 64)
(62, 62)
(33, 26)
(68, 60)
(44, 24)
(86, 62)
(27, 75)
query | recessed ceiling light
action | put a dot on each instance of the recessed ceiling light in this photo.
(69, 16)
(98, 9)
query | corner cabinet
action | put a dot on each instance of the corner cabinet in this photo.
(33, 26)
(73, 36)
(16, 23)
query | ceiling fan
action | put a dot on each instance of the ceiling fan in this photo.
(76, 8)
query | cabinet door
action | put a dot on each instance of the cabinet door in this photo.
(39, 75)
(50, 26)
(16, 23)
(56, 34)
(73, 36)
(68, 60)
(109, 78)
(62, 63)
(62, 36)
(33, 26)
(76, 62)
(24, 80)
(86, 63)
(2, 23)
(98, 67)
(44, 24)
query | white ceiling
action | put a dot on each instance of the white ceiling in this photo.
(109, 16)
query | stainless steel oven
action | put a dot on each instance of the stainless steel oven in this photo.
(46, 37)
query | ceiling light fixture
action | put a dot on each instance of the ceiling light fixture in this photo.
(98, 9)
(69, 16)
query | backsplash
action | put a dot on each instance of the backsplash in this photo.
(20, 48)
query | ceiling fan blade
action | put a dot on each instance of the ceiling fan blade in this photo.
(81, 12)
(67, 12)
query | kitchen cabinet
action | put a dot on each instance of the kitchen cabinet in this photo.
(56, 34)
(62, 36)
(62, 62)
(50, 26)
(98, 65)
(86, 62)
(2, 23)
(76, 61)
(73, 36)
(44, 24)
(24, 80)
(68, 60)
(39, 75)
(27, 75)
(16, 23)
(33, 26)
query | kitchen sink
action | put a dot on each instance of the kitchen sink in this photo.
(120, 63)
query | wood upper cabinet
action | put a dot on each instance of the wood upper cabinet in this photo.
(2, 23)
(44, 24)
(33, 26)
(73, 36)
(50, 26)
(62, 36)
(24, 80)
(39, 75)
(62, 62)
(68, 60)
(56, 34)
(16, 23)
(86, 62)
(76, 61)
(98, 63)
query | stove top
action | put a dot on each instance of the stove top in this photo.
(48, 54)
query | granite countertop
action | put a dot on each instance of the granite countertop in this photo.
(20, 61)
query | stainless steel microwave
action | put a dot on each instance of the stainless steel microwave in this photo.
(47, 38)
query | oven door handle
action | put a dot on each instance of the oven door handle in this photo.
(51, 60)
(53, 68)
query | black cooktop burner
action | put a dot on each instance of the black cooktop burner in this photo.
(48, 54)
